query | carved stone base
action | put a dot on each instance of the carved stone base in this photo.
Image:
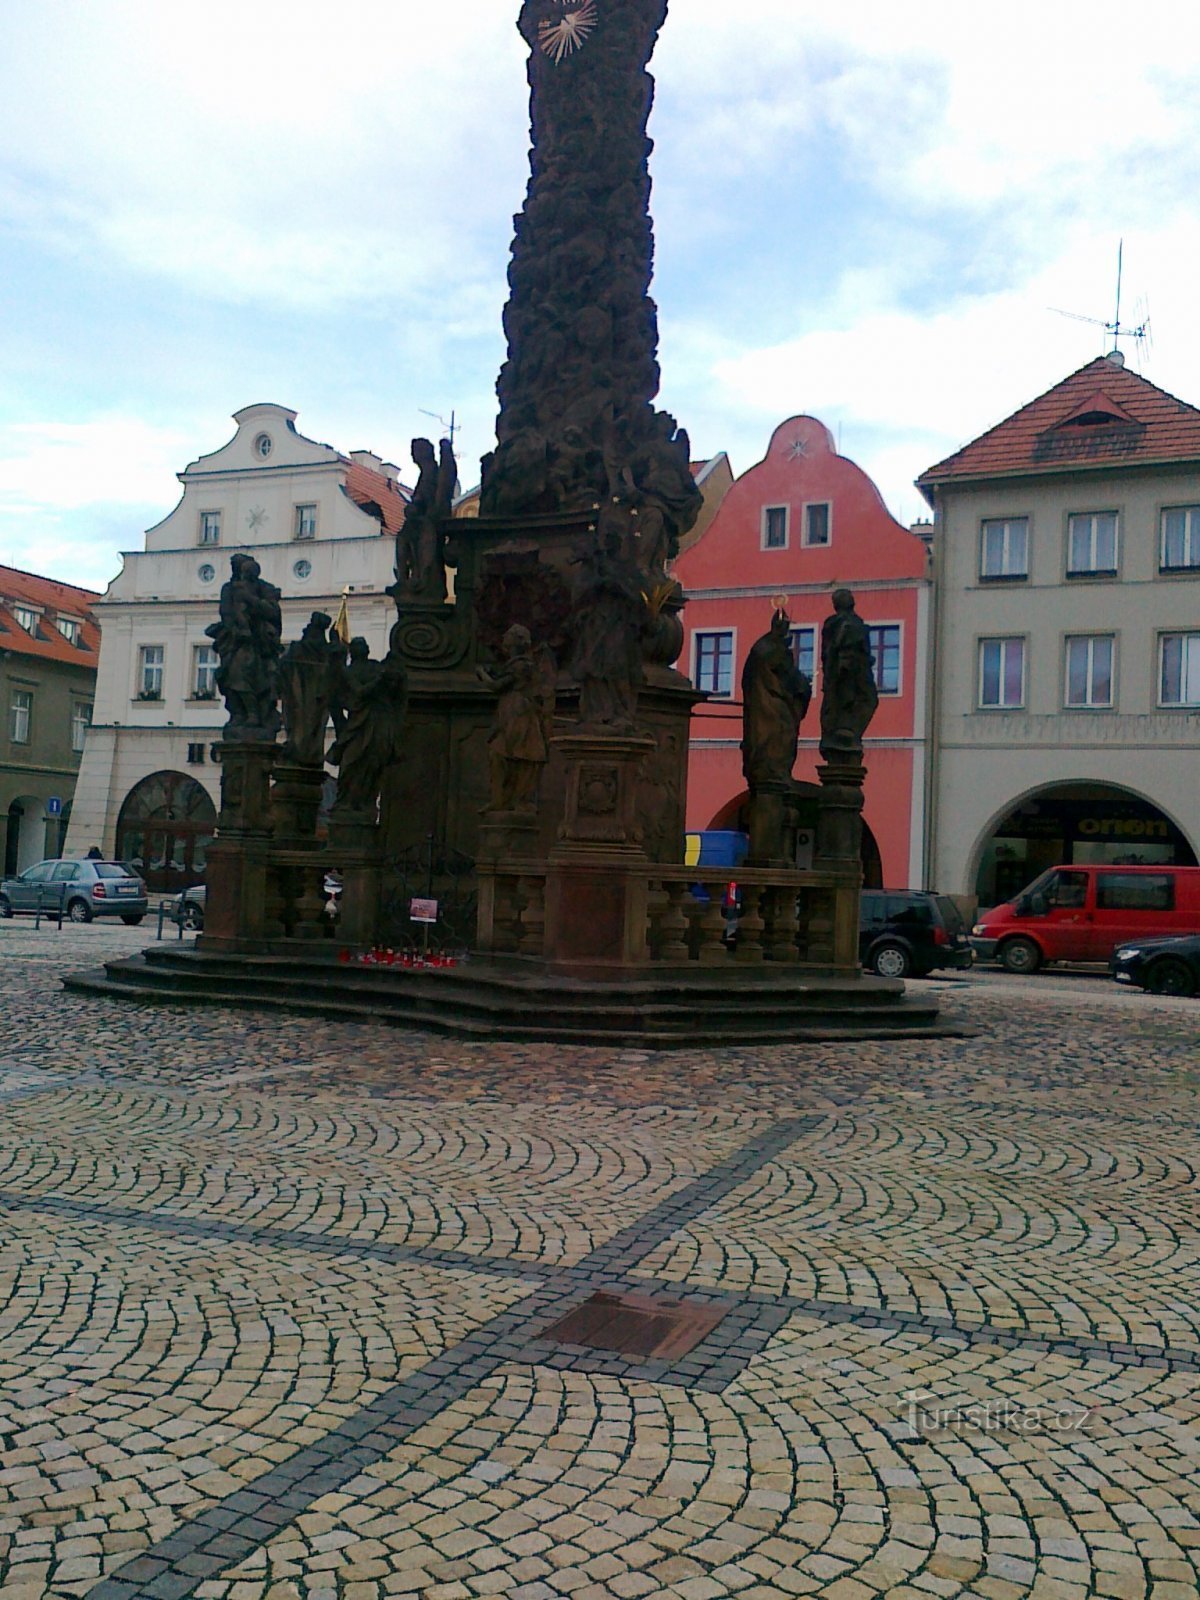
(356, 841)
(595, 915)
(295, 802)
(839, 815)
(245, 788)
(772, 825)
(236, 878)
(601, 801)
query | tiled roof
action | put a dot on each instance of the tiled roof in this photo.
(1101, 416)
(377, 493)
(52, 599)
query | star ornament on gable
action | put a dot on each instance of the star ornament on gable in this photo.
(569, 33)
(257, 518)
(797, 450)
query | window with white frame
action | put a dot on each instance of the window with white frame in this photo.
(210, 527)
(818, 522)
(69, 629)
(205, 662)
(81, 721)
(1179, 669)
(885, 648)
(306, 522)
(714, 662)
(1092, 544)
(802, 642)
(150, 672)
(1004, 548)
(20, 715)
(775, 527)
(1179, 547)
(1090, 670)
(26, 618)
(1002, 673)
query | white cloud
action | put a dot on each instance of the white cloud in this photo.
(369, 160)
(67, 465)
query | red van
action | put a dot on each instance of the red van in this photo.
(1084, 913)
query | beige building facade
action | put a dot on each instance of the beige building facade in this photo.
(1066, 693)
(321, 525)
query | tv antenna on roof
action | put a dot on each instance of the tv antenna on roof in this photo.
(449, 429)
(1139, 332)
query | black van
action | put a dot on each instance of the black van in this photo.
(902, 935)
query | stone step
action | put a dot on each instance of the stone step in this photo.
(467, 1002)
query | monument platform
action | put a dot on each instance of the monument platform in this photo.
(514, 999)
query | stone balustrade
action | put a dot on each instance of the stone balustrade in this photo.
(807, 919)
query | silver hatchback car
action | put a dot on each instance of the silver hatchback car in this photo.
(86, 889)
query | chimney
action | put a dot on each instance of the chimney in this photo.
(365, 458)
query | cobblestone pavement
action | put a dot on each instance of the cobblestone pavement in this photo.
(275, 1295)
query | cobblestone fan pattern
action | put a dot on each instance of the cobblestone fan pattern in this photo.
(274, 1296)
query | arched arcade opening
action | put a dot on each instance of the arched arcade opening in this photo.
(164, 829)
(1074, 824)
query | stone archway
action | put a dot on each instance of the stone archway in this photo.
(1060, 824)
(25, 841)
(164, 829)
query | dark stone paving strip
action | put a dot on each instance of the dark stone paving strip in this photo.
(233, 1528)
(279, 1238)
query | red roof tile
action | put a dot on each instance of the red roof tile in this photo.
(377, 493)
(52, 599)
(1101, 416)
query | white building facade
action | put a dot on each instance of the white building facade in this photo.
(321, 525)
(1066, 688)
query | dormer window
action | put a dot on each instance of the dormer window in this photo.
(69, 629)
(26, 618)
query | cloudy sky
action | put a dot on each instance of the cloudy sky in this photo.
(864, 211)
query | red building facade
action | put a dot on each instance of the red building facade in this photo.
(803, 522)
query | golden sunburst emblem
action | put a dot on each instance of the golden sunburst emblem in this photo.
(569, 33)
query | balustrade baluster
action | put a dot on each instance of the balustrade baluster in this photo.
(712, 950)
(532, 919)
(674, 925)
(750, 925)
(780, 937)
(310, 903)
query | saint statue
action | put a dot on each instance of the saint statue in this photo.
(374, 699)
(308, 674)
(519, 746)
(850, 697)
(775, 697)
(420, 544)
(247, 642)
(606, 625)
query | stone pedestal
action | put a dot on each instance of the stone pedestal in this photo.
(839, 814)
(354, 842)
(595, 911)
(236, 870)
(839, 846)
(510, 910)
(772, 825)
(295, 802)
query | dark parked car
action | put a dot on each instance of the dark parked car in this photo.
(903, 935)
(1163, 966)
(85, 889)
(188, 908)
